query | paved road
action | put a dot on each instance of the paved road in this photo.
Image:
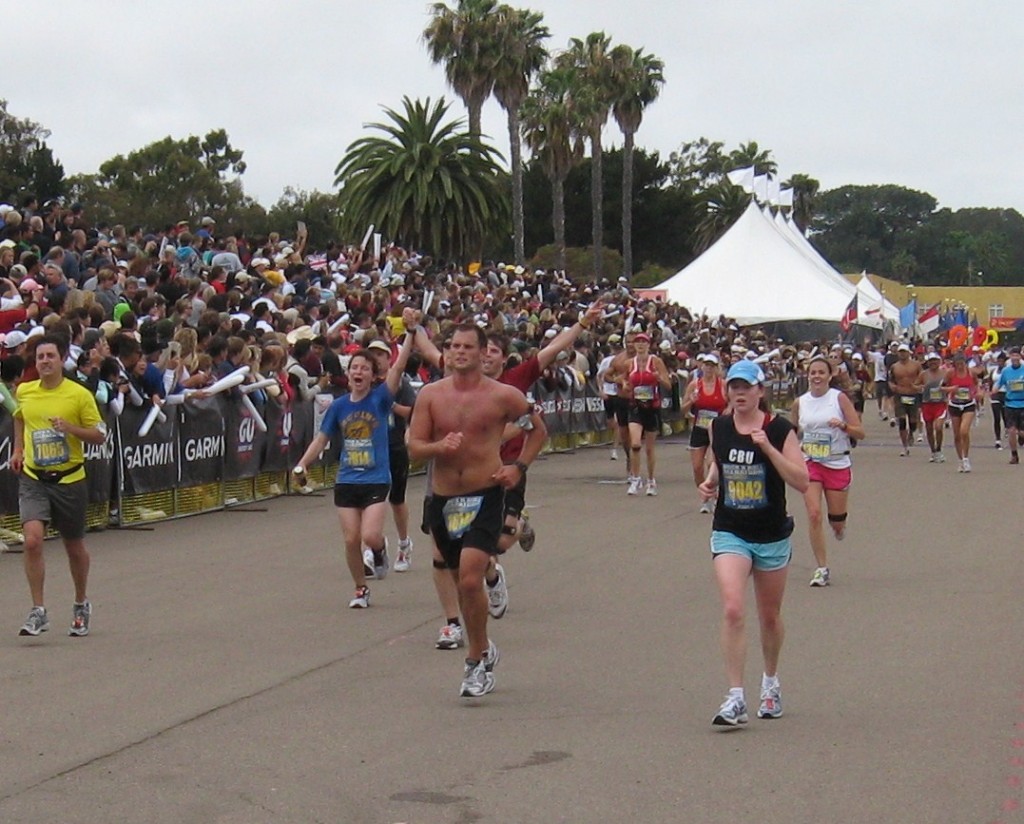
(225, 681)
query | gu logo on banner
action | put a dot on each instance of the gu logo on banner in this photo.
(246, 434)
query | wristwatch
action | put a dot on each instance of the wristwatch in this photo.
(520, 466)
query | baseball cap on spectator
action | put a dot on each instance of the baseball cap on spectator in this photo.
(120, 310)
(664, 346)
(273, 277)
(550, 333)
(643, 336)
(208, 221)
(18, 271)
(29, 285)
(614, 338)
(242, 277)
(932, 356)
(14, 339)
(35, 332)
(7, 244)
(710, 357)
(109, 328)
(259, 261)
(903, 347)
(858, 356)
(745, 371)
(379, 344)
(122, 264)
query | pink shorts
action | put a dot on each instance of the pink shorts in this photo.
(832, 479)
(932, 411)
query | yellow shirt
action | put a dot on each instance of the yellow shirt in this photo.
(45, 447)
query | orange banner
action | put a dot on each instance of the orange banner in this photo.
(1003, 323)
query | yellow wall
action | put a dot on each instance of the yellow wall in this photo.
(977, 299)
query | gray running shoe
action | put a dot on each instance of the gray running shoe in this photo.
(771, 702)
(492, 656)
(732, 712)
(37, 622)
(368, 563)
(80, 615)
(404, 559)
(362, 599)
(497, 596)
(527, 537)
(820, 578)
(450, 637)
(476, 681)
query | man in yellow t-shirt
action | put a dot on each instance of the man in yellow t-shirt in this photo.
(54, 415)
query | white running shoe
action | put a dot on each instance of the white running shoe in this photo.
(771, 702)
(820, 577)
(652, 487)
(933, 458)
(732, 712)
(361, 600)
(967, 464)
(368, 563)
(450, 637)
(940, 457)
(381, 562)
(706, 508)
(615, 454)
(634, 486)
(404, 559)
(476, 681)
(497, 596)
(920, 437)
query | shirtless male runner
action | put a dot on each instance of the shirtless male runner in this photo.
(906, 381)
(458, 424)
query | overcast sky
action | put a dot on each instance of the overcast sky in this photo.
(917, 93)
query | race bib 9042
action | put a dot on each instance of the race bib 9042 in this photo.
(745, 486)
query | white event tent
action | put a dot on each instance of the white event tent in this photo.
(763, 270)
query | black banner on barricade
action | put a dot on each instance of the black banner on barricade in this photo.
(280, 426)
(100, 463)
(201, 432)
(8, 480)
(150, 463)
(578, 420)
(595, 418)
(302, 429)
(243, 442)
(563, 409)
(548, 403)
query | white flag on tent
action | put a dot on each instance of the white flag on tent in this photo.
(743, 178)
(773, 191)
(786, 198)
(761, 187)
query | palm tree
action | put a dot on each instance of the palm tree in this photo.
(805, 190)
(426, 183)
(555, 136)
(639, 79)
(464, 40)
(750, 154)
(724, 204)
(521, 53)
(592, 64)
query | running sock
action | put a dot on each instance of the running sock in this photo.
(736, 692)
(404, 544)
(767, 682)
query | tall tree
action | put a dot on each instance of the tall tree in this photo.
(554, 134)
(723, 206)
(750, 154)
(521, 53)
(592, 65)
(169, 180)
(805, 191)
(27, 164)
(638, 80)
(464, 39)
(425, 182)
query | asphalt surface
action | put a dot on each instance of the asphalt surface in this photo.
(226, 681)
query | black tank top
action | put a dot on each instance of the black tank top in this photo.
(751, 493)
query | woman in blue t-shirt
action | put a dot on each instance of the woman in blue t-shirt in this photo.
(358, 421)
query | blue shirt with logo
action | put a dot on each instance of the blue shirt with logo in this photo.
(1012, 380)
(363, 430)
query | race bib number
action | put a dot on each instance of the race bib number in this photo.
(705, 417)
(50, 448)
(358, 453)
(1016, 385)
(817, 445)
(745, 486)
(934, 394)
(460, 512)
(963, 393)
(908, 400)
(643, 394)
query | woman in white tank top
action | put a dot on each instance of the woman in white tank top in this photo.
(826, 421)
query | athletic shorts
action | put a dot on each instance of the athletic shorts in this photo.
(882, 389)
(699, 438)
(932, 411)
(515, 499)
(474, 520)
(618, 408)
(359, 496)
(905, 406)
(63, 506)
(399, 460)
(831, 479)
(957, 411)
(1013, 417)
(765, 557)
(648, 417)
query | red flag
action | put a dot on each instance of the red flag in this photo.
(929, 321)
(849, 316)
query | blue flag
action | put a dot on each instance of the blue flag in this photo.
(908, 314)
